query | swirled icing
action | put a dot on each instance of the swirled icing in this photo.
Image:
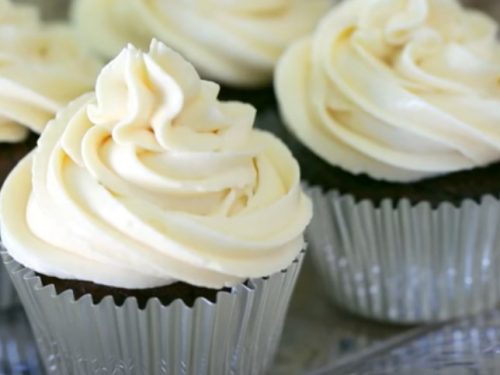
(401, 90)
(152, 180)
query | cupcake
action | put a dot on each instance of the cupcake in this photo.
(394, 109)
(41, 69)
(153, 230)
(235, 43)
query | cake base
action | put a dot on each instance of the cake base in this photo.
(166, 294)
(454, 188)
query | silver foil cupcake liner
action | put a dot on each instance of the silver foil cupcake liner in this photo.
(8, 295)
(405, 263)
(238, 334)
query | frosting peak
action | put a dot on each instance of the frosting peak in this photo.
(399, 89)
(152, 180)
(158, 102)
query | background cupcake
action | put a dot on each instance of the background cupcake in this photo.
(234, 43)
(153, 189)
(41, 69)
(397, 104)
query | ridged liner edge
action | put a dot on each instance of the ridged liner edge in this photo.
(238, 334)
(405, 263)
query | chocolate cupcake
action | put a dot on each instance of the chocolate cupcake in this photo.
(394, 108)
(234, 43)
(153, 229)
(41, 69)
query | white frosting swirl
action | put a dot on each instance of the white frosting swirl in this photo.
(153, 180)
(399, 89)
(42, 68)
(232, 42)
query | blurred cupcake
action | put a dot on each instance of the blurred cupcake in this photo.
(398, 106)
(235, 43)
(41, 69)
(153, 230)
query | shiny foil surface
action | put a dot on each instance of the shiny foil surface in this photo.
(238, 334)
(407, 264)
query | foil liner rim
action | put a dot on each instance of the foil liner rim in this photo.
(32, 278)
(396, 203)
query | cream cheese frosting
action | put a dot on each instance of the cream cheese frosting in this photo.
(42, 68)
(152, 180)
(401, 90)
(231, 42)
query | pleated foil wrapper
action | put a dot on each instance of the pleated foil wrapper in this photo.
(8, 294)
(238, 334)
(404, 263)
